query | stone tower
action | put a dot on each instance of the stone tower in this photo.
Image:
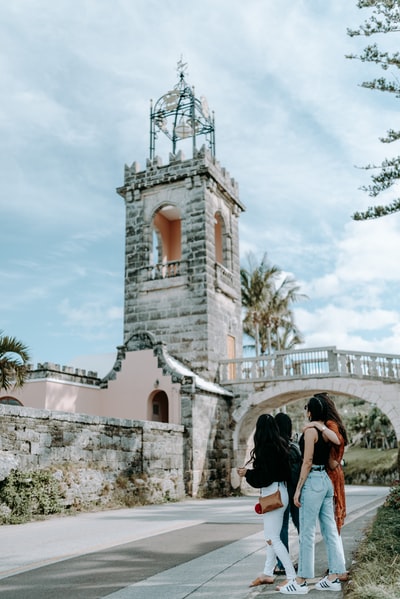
(182, 273)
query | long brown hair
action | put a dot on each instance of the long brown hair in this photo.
(333, 414)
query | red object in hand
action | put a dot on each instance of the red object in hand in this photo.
(258, 509)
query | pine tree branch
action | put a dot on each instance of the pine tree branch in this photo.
(373, 54)
(382, 85)
(392, 135)
(384, 18)
(377, 211)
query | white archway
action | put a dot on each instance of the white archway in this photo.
(386, 396)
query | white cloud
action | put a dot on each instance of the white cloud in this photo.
(370, 251)
(93, 319)
(374, 330)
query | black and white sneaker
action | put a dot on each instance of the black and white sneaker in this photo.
(328, 585)
(294, 588)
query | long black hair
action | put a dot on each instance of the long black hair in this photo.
(317, 408)
(269, 446)
(284, 423)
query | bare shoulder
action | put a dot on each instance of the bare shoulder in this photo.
(311, 433)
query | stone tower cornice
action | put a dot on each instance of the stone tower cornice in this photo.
(179, 169)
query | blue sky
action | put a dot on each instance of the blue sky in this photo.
(291, 124)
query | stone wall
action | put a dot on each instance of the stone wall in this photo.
(208, 444)
(95, 459)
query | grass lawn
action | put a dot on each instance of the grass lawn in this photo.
(370, 466)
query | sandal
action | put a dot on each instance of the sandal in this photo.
(342, 577)
(262, 580)
(281, 584)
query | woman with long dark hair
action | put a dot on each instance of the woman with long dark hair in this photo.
(270, 470)
(314, 497)
(335, 472)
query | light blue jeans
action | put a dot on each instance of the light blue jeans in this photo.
(317, 503)
(272, 534)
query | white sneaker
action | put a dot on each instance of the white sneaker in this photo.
(328, 585)
(294, 588)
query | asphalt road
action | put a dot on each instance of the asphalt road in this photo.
(196, 548)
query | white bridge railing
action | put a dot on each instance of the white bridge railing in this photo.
(306, 363)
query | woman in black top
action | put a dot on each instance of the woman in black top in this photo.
(314, 497)
(270, 470)
(285, 430)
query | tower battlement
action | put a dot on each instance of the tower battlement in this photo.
(49, 370)
(179, 168)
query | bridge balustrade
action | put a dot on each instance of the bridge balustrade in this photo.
(306, 363)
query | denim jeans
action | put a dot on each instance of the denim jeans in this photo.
(272, 530)
(317, 503)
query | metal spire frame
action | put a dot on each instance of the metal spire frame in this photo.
(180, 115)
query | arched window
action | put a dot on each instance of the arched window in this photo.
(11, 401)
(167, 224)
(218, 237)
(167, 248)
(158, 406)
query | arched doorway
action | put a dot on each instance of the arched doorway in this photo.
(158, 406)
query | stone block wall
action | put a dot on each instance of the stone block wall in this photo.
(93, 457)
(208, 444)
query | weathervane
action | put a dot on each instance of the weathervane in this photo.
(182, 68)
(180, 115)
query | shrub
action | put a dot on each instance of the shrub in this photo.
(393, 499)
(26, 495)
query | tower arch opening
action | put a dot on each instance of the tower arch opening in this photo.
(167, 243)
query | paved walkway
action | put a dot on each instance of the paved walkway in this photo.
(195, 549)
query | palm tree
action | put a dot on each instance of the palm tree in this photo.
(14, 359)
(257, 284)
(288, 336)
(281, 316)
(269, 319)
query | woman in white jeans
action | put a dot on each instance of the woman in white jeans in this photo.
(314, 497)
(270, 470)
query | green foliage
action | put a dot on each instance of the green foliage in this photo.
(384, 18)
(14, 358)
(372, 429)
(269, 319)
(393, 499)
(26, 495)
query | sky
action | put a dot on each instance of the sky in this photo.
(293, 126)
